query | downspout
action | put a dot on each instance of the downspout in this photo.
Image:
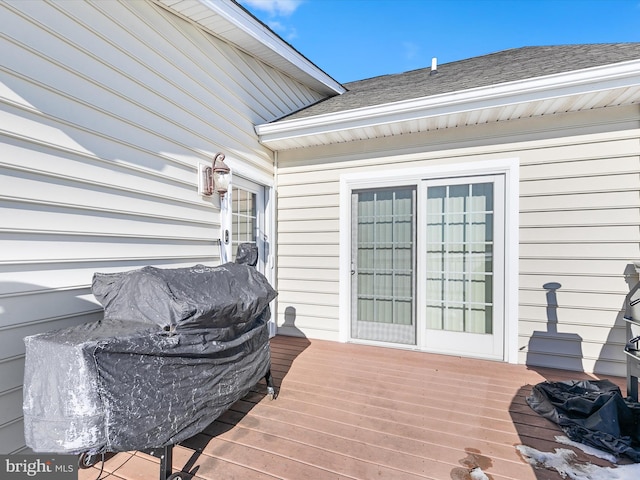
(274, 230)
(273, 262)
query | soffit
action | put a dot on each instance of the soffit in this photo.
(231, 23)
(600, 87)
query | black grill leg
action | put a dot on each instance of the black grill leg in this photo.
(166, 462)
(271, 390)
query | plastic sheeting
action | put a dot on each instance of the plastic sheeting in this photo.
(175, 349)
(591, 412)
(220, 298)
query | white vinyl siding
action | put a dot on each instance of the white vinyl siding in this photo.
(579, 225)
(106, 109)
(308, 254)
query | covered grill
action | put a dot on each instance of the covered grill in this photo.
(176, 348)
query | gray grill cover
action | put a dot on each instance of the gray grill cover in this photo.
(175, 349)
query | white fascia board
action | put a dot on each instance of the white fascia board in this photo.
(250, 26)
(536, 89)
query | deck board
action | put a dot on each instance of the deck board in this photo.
(348, 411)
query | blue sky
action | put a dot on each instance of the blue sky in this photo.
(357, 39)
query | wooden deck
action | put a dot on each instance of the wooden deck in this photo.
(357, 412)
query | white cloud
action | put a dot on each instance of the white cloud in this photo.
(286, 32)
(411, 50)
(275, 7)
(277, 10)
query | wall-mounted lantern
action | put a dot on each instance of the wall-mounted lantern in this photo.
(215, 178)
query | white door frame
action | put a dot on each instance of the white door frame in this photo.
(244, 176)
(261, 193)
(509, 167)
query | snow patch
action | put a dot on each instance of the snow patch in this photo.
(564, 462)
(478, 474)
(587, 449)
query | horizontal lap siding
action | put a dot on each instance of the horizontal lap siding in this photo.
(579, 226)
(106, 109)
(308, 249)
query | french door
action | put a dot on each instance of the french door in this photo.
(428, 265)
(247, 224)
(246, 221)
(462, 265)
(383, 266)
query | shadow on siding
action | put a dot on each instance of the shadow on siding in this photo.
(613, 349)
(551, 342)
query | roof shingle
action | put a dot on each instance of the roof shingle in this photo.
(492, 69)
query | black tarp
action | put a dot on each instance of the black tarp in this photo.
(175, 349)
(592, 412)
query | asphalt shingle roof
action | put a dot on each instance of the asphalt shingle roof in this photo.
(495, 68)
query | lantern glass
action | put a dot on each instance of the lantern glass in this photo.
(221, 181)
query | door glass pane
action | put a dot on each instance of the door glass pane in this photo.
(459, 244)
(383, 282)
(244, 219)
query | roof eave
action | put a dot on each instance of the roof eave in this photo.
(247, 33)
(542, 92)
